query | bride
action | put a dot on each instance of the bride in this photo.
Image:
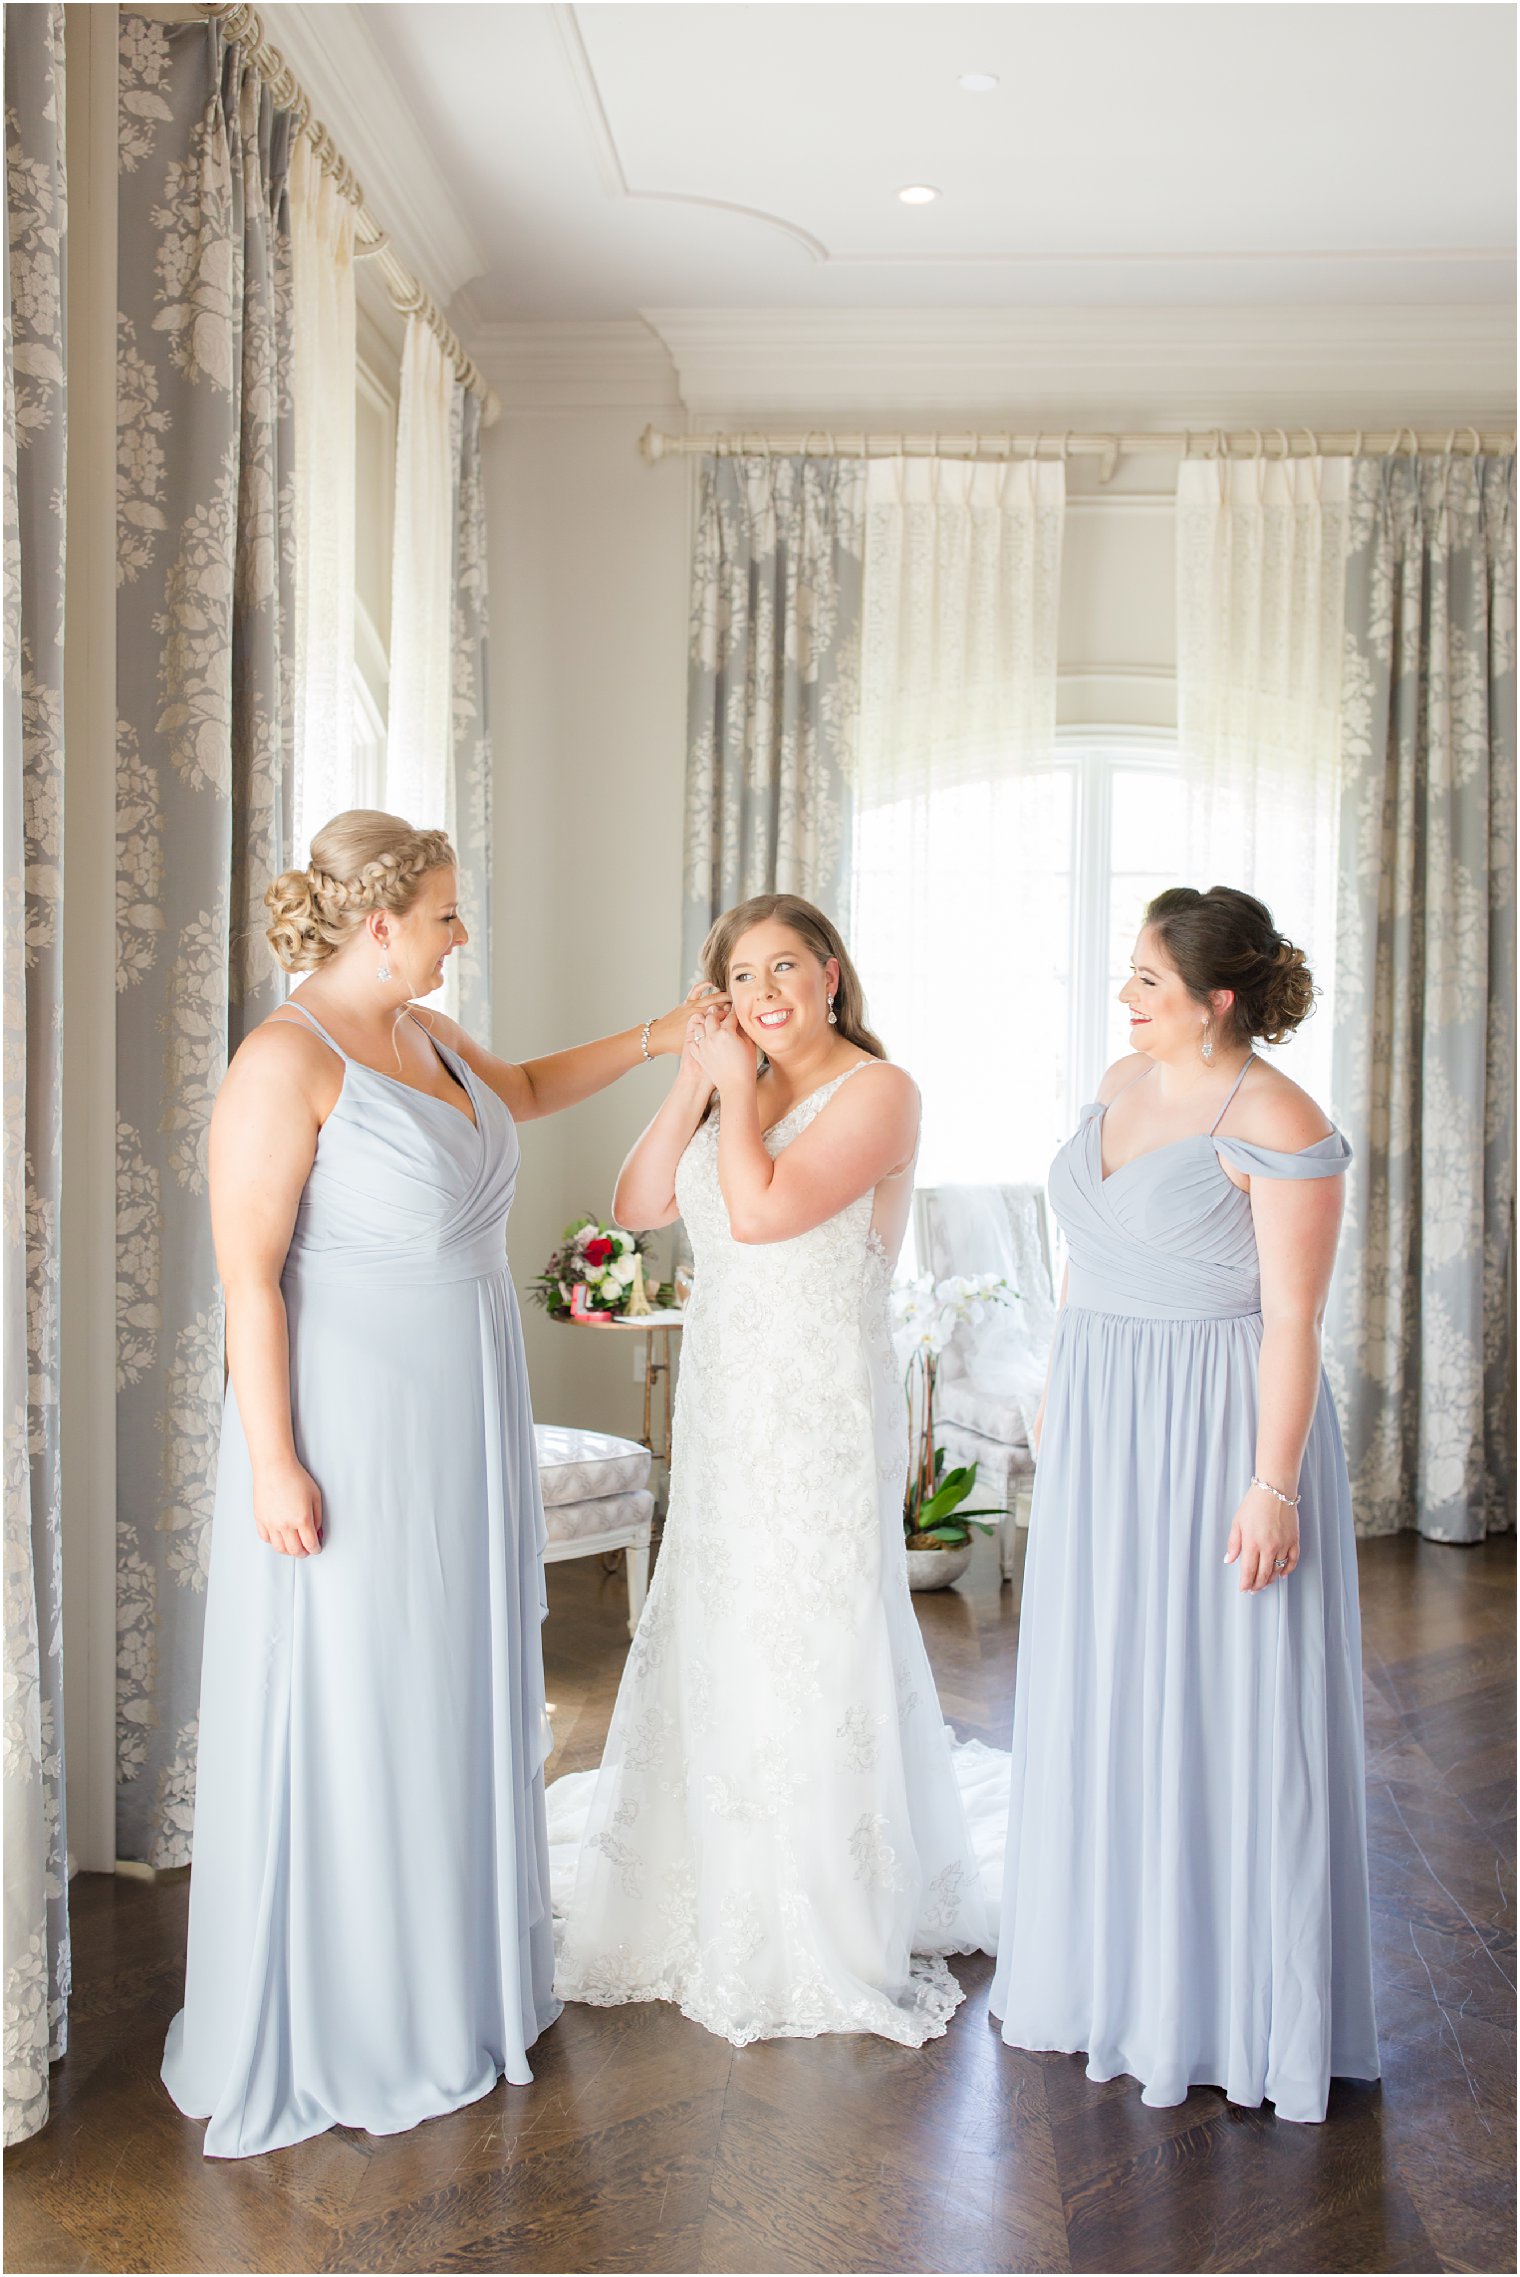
(776, 1840)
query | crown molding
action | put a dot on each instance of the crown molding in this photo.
(542, 365)
(1189, 366)
(333, 53)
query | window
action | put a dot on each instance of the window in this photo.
(993, 926)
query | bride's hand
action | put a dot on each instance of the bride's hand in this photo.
(668, 1033)
(720, 1048)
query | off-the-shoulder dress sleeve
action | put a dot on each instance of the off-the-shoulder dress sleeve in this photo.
(1329, 1157)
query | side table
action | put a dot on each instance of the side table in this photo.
(660, 1328)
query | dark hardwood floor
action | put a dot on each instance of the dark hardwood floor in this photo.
(645, 2144)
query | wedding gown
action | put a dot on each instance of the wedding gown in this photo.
(776, 1839)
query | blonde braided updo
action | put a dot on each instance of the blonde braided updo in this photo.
(361, 860)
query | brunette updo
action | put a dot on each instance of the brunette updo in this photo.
(1226, 939)
(361, 860)
(816, 932)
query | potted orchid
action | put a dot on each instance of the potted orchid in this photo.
(598, 1272)
(926, 1315)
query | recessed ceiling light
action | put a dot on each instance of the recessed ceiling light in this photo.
(918, 194)
(978, 82)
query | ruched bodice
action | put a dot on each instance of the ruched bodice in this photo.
(1168, 1236)
(405, 1187)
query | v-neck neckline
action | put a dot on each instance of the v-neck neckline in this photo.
(1188, 1138)
(816, 1092)
(470, 1120)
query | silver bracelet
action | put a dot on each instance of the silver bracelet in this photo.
(644, 1040)
(1292, 1500)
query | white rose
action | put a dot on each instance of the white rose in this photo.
(624, 1268)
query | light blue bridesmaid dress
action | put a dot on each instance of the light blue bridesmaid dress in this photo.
(370, 1939)
(1185, 1892)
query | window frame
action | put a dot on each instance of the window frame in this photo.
(1095, 755)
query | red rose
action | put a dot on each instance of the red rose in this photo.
(598, 1251)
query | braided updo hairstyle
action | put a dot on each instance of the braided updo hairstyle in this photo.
(1226, 939)
(361, 860)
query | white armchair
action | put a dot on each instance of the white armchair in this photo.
(990, 1382)
(596, 1497)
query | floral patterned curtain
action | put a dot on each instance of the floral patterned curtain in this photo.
(471, 732)
(36, 1870)
(772, 684)
(1421, 1343)
(205, 562)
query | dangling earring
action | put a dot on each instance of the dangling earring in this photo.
(382, 970)
(833, 1015)
(1208, 1040)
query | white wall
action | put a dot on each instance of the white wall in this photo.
(588, 565)
(589, 553)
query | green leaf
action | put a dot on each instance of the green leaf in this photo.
(950, 1493)
(945, 1537)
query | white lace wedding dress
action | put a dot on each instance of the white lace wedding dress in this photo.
(776, 1839)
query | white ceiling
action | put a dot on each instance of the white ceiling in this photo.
(591, 163)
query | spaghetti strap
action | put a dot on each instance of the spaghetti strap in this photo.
(1230, 1101)
(1134, 1079)
(291, 1006)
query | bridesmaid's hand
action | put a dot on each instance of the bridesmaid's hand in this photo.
(668, 1033)
(720, 1047)
(1264, 1538)
(287, 1510)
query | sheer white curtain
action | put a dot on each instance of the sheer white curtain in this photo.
(322, 265)
(961, 909)
(1261, 577)
(419, 739)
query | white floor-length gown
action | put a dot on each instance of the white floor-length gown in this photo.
(776, 1839)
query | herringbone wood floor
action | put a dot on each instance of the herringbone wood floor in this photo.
(645, 2144)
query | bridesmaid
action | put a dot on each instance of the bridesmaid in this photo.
(1185, 1896)
(369, 1913)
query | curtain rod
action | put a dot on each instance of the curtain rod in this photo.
(372, 243)
(1204, 443)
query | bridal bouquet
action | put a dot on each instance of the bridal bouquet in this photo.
(598, 1271)
(925, 1317)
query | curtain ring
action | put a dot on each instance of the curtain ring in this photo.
(1477, 449)
(1066, 448)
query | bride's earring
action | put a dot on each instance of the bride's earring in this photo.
(383, 969)
(1208, 1040)
(833, 1015)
